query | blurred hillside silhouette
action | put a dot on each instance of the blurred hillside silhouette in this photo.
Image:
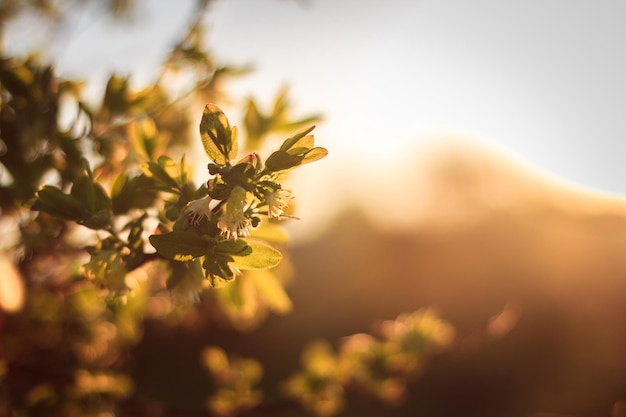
(530, 271)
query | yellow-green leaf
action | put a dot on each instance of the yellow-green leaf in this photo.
(218, 138)
(261, 256)
(180, 246)
(291, 141)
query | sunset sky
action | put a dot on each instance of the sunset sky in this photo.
(541, 80)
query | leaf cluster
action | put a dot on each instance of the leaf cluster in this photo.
(379, 366)
(215, 228)
(108, 226)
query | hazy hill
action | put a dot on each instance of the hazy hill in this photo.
(489, 234)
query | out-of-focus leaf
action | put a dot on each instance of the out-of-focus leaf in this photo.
(96, 221)
(56, 203)
(116, 95)
(169, 166)
(158, 173)
(142, 137)
(135, 238)
(215, 359)
(128, 193)
(271, 291)
(92, 194)
(218, 282)
(183, 169)
(84, 191)
(270, 232)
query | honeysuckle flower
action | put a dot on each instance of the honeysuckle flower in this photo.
(277, 201)
(197, 209)
(233, 222)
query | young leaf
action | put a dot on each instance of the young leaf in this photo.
(261, 257)
(218, 138)
(296, 138)
(281, 160)
(180, 246)
(314, 154)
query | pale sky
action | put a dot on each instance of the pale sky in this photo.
(541, 79)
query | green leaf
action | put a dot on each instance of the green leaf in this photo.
(183, 169)
(169, 166)
(255, 124)
(135, 240)
(218, 138)
(233, 247)
(135, 192)
(96, 221)
(242, 175)
(217, 266)
(298, 139)
(281, 160)
(116, 95)
(218, 189)
(261, 256)
(93, 197)
(120, 193)
(56, 203)
(84, 191)
(180, 246)
(102, 201)
(142, 136)
(314, 154)
(159, 174)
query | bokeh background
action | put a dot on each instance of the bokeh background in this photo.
(475, 166)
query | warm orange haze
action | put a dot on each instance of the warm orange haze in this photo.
(474, 181)
(527, 268)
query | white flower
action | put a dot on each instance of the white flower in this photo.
(197, 209)
(233, 223)
(277, 201)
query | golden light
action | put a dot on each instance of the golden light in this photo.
(11, 286)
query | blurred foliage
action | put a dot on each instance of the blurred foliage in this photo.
(106, 228)
(380, 367)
